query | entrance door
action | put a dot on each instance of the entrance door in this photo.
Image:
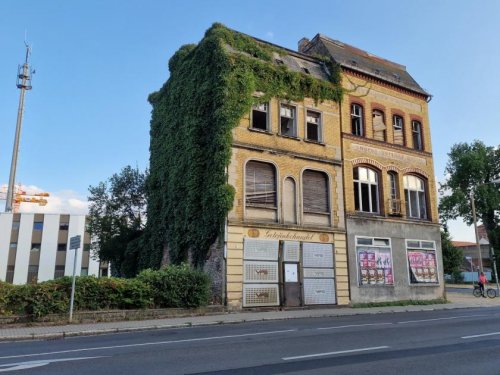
(291, 284)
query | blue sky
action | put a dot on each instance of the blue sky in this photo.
(97, 61)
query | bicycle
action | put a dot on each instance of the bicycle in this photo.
(491, 293)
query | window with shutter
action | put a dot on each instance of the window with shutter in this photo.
(315, 192)
(260, 184)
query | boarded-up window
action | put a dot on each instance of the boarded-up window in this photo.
(260, 184)
(378, 126)
(397, 122)
(315, 191)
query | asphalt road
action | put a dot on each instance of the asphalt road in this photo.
(465, 341)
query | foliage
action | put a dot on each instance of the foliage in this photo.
(210, 89)
(471, 168)
(173, 286)
(177, 286)
(116, 218)
(452, 256)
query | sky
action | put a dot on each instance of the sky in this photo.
(96, 62)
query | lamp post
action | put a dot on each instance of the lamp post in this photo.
(472, 199)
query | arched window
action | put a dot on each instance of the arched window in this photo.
(260, 191)
(289, 201)
(315, 202)
(394, 202)
(357, 120)
(378, 125)
(366, 195)
(398, 130)
(415, 196)
(416, 128)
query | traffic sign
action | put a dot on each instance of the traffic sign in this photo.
(74, 242)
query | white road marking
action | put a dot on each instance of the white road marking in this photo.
(34, 364)
(356, 325)
(149, 344)
(447, 318)
(482, 335)
(333, 353)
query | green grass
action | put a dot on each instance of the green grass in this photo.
(408, 302)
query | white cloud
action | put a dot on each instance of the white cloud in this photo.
(59, 202)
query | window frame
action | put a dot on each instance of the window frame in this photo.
(386, 248)
(256, 205)
(419, 146)
(394, 117)
(267, 116)
(408, 200)
(327, 192)
(426, 250)
(319, 125)
(294, 120)
(370, 184)
(360, 118)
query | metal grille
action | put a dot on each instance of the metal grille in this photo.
(318, 273)
(260, 249)
(317, 255)
(291, 251)
(260, 295)
(319, 291)
(255, 272)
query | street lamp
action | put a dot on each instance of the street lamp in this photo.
(480, 260)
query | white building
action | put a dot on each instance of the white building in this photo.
(36, 246)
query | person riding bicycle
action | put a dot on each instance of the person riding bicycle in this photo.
(482, 281)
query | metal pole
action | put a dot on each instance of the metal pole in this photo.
(475, 229)
(15, 151)
(73, 288)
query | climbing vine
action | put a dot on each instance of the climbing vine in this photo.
(210, 89)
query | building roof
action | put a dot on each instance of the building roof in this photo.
(364, 62)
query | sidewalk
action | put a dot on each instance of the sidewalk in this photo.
(457, 301)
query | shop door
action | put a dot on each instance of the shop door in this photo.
(292, 290)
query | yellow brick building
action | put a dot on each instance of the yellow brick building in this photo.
(390, 190)
(286, 242)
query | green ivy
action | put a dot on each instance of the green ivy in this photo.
(210, 89)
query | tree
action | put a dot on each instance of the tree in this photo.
(452, 256)
(117, 218)
(472, 168)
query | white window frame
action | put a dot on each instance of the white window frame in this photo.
(424, 249)
(358, 115)
(369, 183)
(294, 119)
(319, 125)
(358, 268)
(255, 107)
(408, 191)
(420, 145)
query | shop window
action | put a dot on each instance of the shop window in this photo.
(366, 191)
(374, 260)
(313, 126)
(422, 262)
(379, 128)
(260, 116)
(357, 120)
(398, 130)
(415, 196)
(416, 128)
(288, 124)
(394, 201)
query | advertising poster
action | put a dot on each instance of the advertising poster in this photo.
(375, 266)
(423, 267)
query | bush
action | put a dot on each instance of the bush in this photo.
(177, 286)
(174, 286)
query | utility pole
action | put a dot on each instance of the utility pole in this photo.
(23, 83)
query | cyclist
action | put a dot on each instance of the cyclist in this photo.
(482, 281)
